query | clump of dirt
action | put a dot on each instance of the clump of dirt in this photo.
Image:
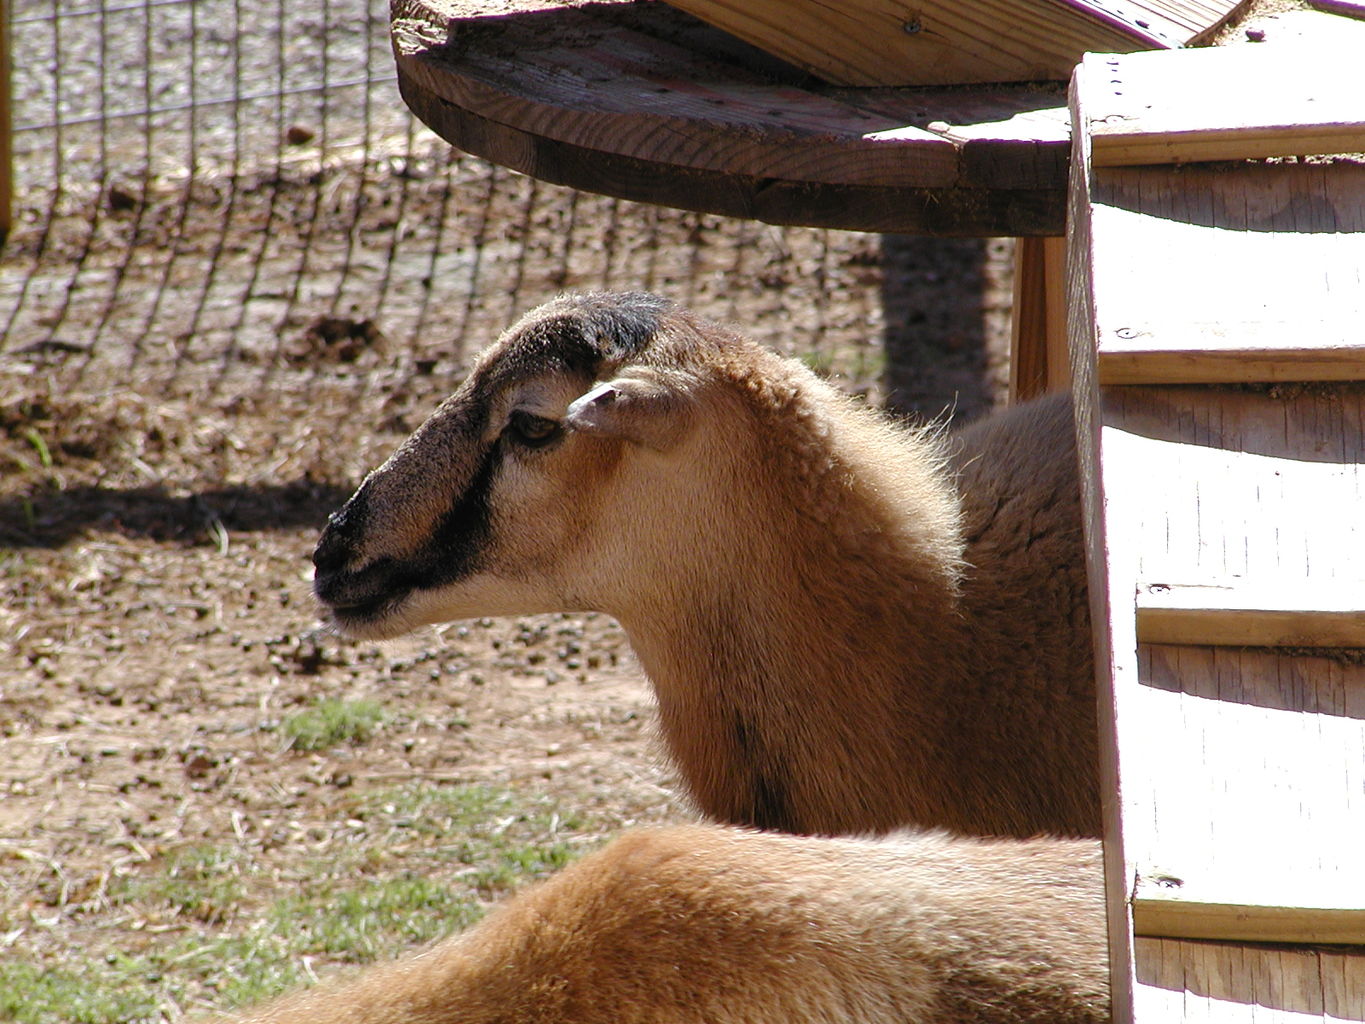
(337, 339)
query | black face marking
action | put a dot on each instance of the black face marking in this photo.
(769, 807)
(453, 551)
(338, 536)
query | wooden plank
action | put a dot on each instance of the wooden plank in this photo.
(1274, 363)
(645, 102)
(6, 128)
(1110, 586)
(882, 42)
(1157, 912)
(1208, 277)
(1279, 613)
(1250, 777)
(1260, 485)
(1039, 360)
(944, 212)
(1180, 980)
(1230, 103)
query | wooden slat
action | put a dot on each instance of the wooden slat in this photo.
(1235, 776)
(884, 42)
(1247, 790)
(1280, 98)
(1179, 980)
(1282, 613)
(1209, 277)
(1160, 913)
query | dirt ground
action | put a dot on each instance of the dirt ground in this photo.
(166, 468)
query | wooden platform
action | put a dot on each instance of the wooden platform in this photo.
(1217, 318)
(949, 42)
(646, 102)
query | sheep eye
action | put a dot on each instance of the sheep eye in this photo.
(532, 431)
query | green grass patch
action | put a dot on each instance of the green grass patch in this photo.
(360, 923)
(405, 866)
(500, 840)
(331, 722)
(32, 994)
(203, 882)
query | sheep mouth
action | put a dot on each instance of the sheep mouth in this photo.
(362, 612)
(354, 605)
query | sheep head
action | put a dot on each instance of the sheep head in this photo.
(501, 503)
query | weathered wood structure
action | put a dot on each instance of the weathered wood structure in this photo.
(644, 102)
(1218, 328)
(1212, 318)
(946, 42)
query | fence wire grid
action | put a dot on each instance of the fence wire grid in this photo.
(226, 201)
(239, 274)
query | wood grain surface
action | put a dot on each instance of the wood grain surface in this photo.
(1235, 756)
(1296, 94)
(645, 102)
(940, 42)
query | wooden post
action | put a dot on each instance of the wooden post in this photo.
(1039, 358)
(6, 128)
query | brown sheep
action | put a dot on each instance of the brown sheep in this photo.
(849, 626)
(706, 925)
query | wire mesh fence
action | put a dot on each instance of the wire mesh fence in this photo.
(239, 274)
(226, 201)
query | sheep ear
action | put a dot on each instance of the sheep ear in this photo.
(641, 411)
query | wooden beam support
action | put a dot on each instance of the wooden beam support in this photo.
(1040, 361)
(6, 129)
(1242, 614)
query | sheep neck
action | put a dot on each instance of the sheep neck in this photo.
(773, 726)
(772, 722)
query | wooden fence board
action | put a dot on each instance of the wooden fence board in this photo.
(1237, 808)
(1229, 102)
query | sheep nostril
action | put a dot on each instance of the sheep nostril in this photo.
(336, 546)
(332, 552)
